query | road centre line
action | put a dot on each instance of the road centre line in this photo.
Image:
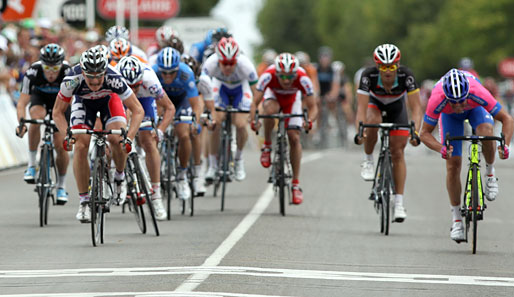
(266, 273)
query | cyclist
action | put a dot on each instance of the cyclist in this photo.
(40, 87)
(458, 96)
(466, 64)
(178, 81)
(122, 32)
(203, 83)
(310, 69)
(96, 87)
(381, 97)
(282, 86)
(144, 83)
(268, 58)
(198, 49)
(330, 83)
(173, 41)
(233, 81)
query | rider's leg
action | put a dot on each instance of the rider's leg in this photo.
(37, 112)
(373, 116)
(398, 144)
(214, 143)
(295, 151)
(62, 161)
(240, 121)
(153, 159)
(80, 161)
(270, 106)
(182, 131)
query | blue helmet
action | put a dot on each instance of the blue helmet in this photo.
(168, 59)
(455, 86)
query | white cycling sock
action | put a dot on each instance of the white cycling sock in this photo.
(213, 162)
(62, 181)
(489, 169)
(32, 158)
(119, 175)
(156, 187)
(398, 199)
(457, 216)
(198, 170)
(369, 157)
(239, 154)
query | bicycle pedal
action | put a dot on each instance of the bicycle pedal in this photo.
(60, 202)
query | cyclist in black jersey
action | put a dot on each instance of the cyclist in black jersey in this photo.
(40, 87)
(381, 97)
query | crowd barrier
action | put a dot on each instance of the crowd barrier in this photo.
(13, 150)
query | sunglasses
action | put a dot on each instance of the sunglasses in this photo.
(93, 76)
(287, 76)
(386, 68)
(53, 68)
(167, 71)
(228, 63)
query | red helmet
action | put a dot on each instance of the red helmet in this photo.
(227, 49)
(386, 54)
(286, 63)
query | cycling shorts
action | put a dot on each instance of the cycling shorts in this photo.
(84, 111)
(47, 101)
(182, 108)
(150, 108)
(288, 107)
(239, 97)
(394, 112)
(454, 124)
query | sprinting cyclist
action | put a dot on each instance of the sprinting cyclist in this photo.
(40, 87)
(144, 83)
(97, 87)
(203, 83)
(458, 96)
(382, 97)
(282, 86)
(233, 81)
(178, 81)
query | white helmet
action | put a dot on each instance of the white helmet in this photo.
(286, 63)
(116, 32)
(386, 54)
(227, 49)
(164, 34)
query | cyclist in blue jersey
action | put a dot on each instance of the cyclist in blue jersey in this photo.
(178, 81)
(198, 49)
(97, 87)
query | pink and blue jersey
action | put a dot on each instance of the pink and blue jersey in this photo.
(478, 96)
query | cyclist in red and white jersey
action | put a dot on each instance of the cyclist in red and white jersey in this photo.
(282, 86)
(97, 87)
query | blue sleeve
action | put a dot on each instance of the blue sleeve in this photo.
(196, 50)
(187, 77)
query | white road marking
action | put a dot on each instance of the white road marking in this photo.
(196, 279)
(266, 273)
(144, 294)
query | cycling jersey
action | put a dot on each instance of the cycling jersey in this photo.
(149, 91)
(243, 71)
(288, 99)
(181, 89)
(326, 76)
(371, 85)
(480, 108)
(204, 86)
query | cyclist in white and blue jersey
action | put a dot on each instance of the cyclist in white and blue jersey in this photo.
(178, 81)
(144, 83)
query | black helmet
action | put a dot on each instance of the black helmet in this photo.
(51, 54)
(193, 64)
(93, 60)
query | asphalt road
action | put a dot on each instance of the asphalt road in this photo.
(328, 246)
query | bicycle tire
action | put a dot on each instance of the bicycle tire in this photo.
(190, 175)
(145, 192)
(225, 147)
(166, 175)
(95, 203)
(386, 192)
(281, 173)
(474, 203)
(42, 186)
(138, 211)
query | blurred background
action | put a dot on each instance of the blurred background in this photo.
(433, 36)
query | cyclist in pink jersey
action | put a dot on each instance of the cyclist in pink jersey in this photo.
(456, 97)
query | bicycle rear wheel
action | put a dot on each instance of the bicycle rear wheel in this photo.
(42, 185)
(475, 209)
(145, 191)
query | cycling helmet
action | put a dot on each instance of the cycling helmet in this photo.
(218, 34)
(302, 57)
(386, 54)
(119, 48)
(163, 34)
(51, 54)
(176, 43)
(227, 49)
(286, 63)
(193, 64)
(168, 59)
(103, 49)
(131, 69)
(466, 63)
(93, 61)
(455, 86)
(116, 32)
(325, 51)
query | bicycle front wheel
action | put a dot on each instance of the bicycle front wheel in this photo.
(43, 185)
(145, 192)
(95, 203)
(281, 176)
(475, 208)
(132, 186)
